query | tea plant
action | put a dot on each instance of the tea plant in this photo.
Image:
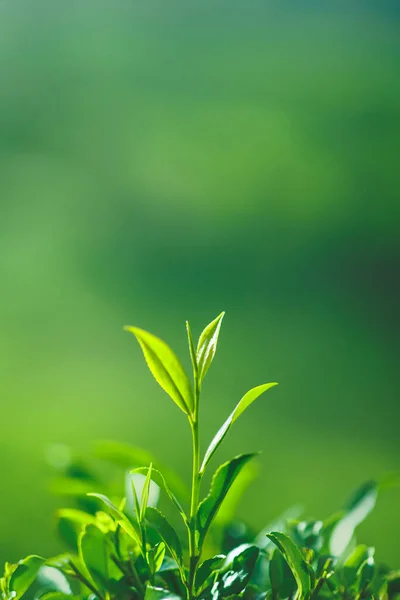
(121, 546)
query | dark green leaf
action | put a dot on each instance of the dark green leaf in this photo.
(220, 485)
(166, 532)
(207, 347)
(24, 575)
(295, 560)
(208, 567)
(238, 568)
(166, 368)
(243, 404)
(353, 563)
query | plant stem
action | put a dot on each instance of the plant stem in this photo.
(194, 553)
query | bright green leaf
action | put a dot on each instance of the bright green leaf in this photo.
(244, 403)
(24, 575)
(166, 368)
(294, 558)
(207, 346)
(156, 556)
(222, 480)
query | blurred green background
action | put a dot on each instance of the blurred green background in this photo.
(168, 160)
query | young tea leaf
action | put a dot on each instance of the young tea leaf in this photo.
(207, 347)
(166, 368)
(222, 480)
(244, 403)
(295, 560)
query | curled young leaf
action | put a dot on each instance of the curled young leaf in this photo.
(222, 480)
(242, 405)
(166, 368)
(207, 347)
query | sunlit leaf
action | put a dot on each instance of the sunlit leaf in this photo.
(242, 405)
(24, 575)
(156, 556)
(166, 368)
(222, 480)
(295, 560)
(207, 346)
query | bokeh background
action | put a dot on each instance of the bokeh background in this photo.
(168, 160)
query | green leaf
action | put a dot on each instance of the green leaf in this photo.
(352, 565)
(157, 593)
(166, 368)
(365, 573)
(237, 570)
(24, 575)
(207, 346)
(221, 482)
(358, 508)
(166, 532)
(156, 556)
(93, 554)
(243, 404)
(119, 517)
(294, 558)
(159, 479)
(207, 568)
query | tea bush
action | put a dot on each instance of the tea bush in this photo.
(121, 546)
